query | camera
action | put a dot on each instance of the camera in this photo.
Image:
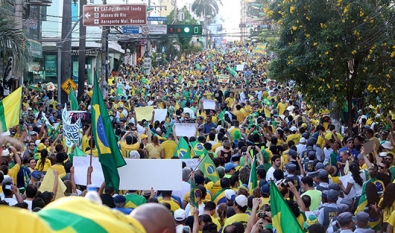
(262, 215)
(284, 184)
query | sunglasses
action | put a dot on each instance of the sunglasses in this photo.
(32, 145)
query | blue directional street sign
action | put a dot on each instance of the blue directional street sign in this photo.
(156, 18)
(130, 30)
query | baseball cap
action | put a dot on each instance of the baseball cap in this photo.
(179, 215)
(332, 195)
(319, 165)
(241, 200)
(292, 153)
(293, 128)
(230, 194)
(345, 217)
(334, 186)
(362, 217)
(322, 174)
(265, 189)
(144, 136)
(290, 166)
(119, 199)
(229, 166)
(36, 175)
(341, 208)
(302, 140)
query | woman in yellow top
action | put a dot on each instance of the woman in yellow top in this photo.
(43, 163)
(387, 202)
(155, 149)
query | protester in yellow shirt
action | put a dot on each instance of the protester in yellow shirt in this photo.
(43, 163)
(12, 172)
(129, 142)
(282, 106)
(169, 146)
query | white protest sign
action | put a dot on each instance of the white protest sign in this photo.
(185, 129)
(81, 165)
(160, 115)
(72, 132)
(142, 174)
(240, 67)
(192, 163)
(208, 104)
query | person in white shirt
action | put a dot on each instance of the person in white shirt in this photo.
(31, 192)
(186, 187)
(301, 146)
(276, 162)
(188, 109)
(11, 195)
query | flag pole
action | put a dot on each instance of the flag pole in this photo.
(201, 160)
(91, 145)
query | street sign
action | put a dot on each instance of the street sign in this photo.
(115, 14)
(149, 29)
(156, 18)
(67, 84)
(130, 29)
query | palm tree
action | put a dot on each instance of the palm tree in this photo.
(12, 44)
(205, 8)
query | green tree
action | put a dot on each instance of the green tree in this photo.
(206, 9)
(336, 50)
(12, 42)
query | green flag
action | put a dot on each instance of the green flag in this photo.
(221, 115)
(119, 92)
(283, 219)
(207, 166)
(103, 133)
(182, 149)
(253, 181)
(73, 100)
(77, 153)
(192, 194)
(198, 148)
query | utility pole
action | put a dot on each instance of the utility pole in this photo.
(65, 49)
(81, 55)
(18, 26)
(104, 58)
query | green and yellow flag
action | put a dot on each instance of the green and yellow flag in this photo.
(198, 148)
(182, 149)
(103, 133)
(192, 194)
(77, 214)
(10, 110)
(73, 100)
(207, 166)
(283, 219)
(253, 181)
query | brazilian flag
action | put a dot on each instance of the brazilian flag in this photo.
(182, 149)
(198, 148)
(77, 214)
(207, 166)
(103, 133)
(192, 194)
(283, 219)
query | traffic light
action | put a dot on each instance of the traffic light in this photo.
(184, 29)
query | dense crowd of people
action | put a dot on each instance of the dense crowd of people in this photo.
(333, 178)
